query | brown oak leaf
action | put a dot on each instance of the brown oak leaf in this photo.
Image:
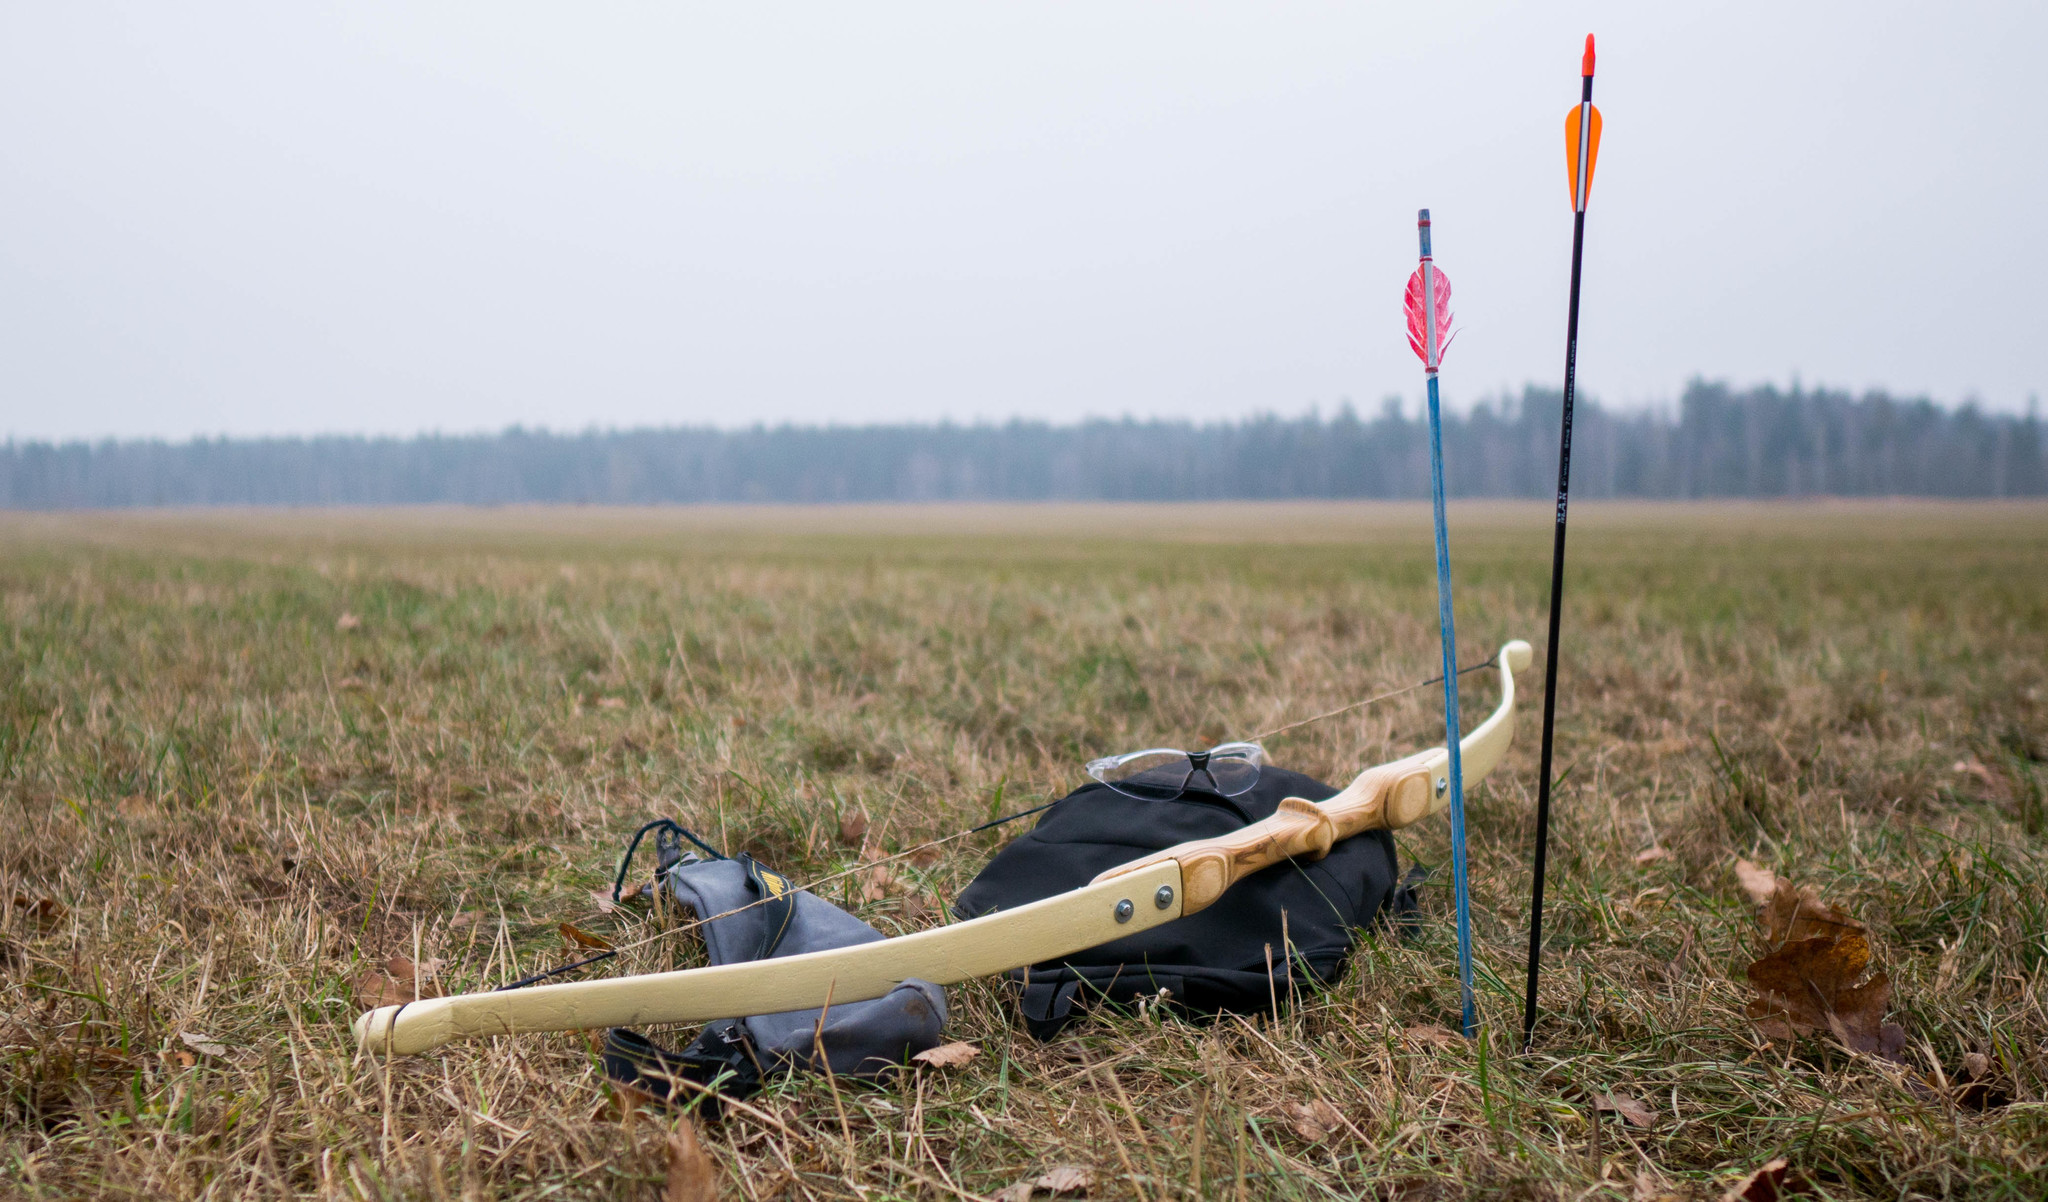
(948, 1055)
(203, 1043)
(577, 937)
(1811, 985)
(396, 982)
(1060, 1179)
(1314, 1120)
(1788, 911)
(1796, 913)
(1759, 883)
(1977, 1086)
(1776, 1179)
(1633, 1112)
(692, 1174)
(43, 911)
(876, 882)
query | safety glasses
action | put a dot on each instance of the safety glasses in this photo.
(1164, 773)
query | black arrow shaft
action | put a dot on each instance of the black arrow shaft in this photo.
(1550, 656)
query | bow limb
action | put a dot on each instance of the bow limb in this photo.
(1043, 930)
(1386, 797)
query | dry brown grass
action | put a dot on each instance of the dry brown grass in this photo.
(235, 805)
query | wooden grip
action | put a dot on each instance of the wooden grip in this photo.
(1299, 830)
(1387, 797)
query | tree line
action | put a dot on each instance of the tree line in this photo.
(1718, 442)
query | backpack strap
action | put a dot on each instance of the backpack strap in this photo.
(720, 1061)
(778, 903)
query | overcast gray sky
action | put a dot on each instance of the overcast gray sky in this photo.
(271, 218)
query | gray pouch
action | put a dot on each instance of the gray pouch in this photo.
(763, 917)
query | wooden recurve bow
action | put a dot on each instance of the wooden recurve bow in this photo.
(1137, 896)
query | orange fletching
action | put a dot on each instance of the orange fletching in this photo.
(1571, 153)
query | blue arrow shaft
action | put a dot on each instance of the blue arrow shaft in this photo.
(1451, 735)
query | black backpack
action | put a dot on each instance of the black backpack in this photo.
(1233, 956)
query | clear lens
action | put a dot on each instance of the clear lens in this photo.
(1162, 774)
(1156, 775)
(1228, 775)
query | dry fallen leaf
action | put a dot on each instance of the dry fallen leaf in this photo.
(1976, 1086)
(1431, 1033)
(1314, 1120)
(1812, 980)
(347, 621)
(376, 989)
(948, 1055)
(876, 882)
(1789, 911)
(926, 855)
(1065, 1179)
(397, 982)
(203, 1043)
(1811, 985)
(1650, 855)
(1795, 913)
(1768, 1184)
(577, 937)
(44, 911)
(1632, 1111)
(1984, 776)
(1060, 1179)
(1675, 968)
(853, 828)
(692, 1174)
(1759, 883)
(602, 898)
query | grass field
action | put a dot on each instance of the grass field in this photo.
(245, 757)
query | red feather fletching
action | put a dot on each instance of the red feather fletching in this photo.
(1418, 330)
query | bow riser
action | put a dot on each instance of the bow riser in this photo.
(1387, 797)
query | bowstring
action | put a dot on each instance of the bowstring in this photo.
(810, 887)
(1356, 705)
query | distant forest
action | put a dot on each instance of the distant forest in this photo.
(1719, 443)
